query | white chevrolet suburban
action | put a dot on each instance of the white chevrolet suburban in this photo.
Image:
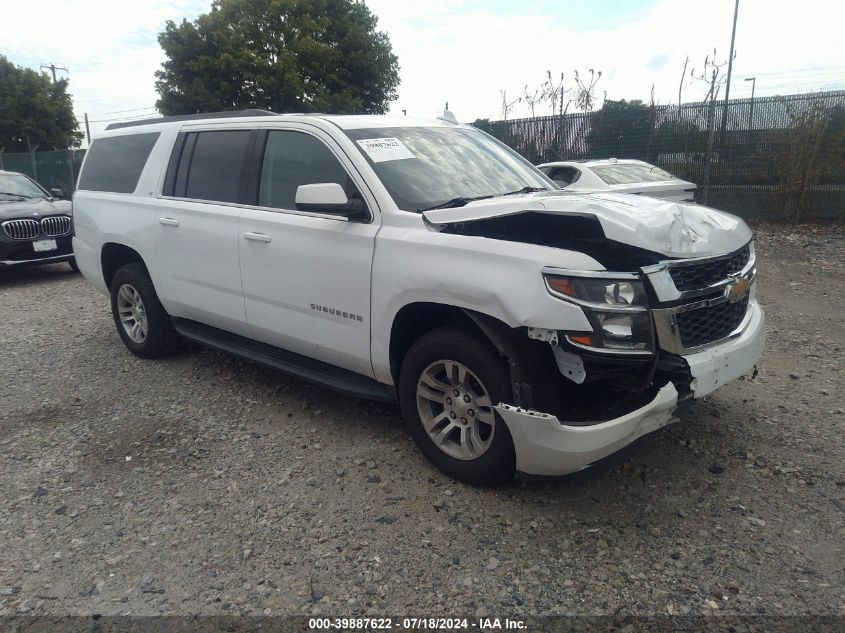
(519, 326)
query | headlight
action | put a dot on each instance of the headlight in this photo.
(617, 308)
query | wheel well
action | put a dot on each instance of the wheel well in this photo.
(113, 256)
(414, 320)
(530, 363)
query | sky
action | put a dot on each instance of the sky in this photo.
(465, 52)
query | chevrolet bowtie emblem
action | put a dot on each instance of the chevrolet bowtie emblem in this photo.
(738, 290)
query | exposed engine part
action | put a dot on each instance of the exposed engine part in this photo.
(582, 233)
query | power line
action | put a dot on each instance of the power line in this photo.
(130, 110)
(824, 70)
(101, 99)
(54, 68)
(136, 112)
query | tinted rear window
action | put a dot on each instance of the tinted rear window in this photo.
(214, 172)
(626, 174)
(115, 164)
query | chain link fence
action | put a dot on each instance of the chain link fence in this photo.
(59, 168)
(780, 157)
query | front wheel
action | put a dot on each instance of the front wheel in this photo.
(450, 381)
(141, 320)
(73, 266)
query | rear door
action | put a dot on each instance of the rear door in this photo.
(196, 231)
(306, 276)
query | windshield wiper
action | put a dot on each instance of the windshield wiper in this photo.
(528, 189)
(17, 195)
(463, 201)
(455, 202)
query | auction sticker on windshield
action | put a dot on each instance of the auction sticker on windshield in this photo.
(383, 149)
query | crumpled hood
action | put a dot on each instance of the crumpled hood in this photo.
(674, 229)
(33, 207)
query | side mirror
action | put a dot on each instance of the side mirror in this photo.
(329, 198)
(57, 193)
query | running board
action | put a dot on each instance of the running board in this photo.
(315, 371)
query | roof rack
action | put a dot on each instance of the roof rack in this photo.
(191, 117)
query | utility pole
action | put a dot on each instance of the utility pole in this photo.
(753, 81)
(728, 80)
(53, 68)
(31, 153)
(750, 134)
(88, 130)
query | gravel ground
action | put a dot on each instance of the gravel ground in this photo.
(202, 484)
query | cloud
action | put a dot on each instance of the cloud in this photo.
(109, 48)
(658, 61)
(465, 51)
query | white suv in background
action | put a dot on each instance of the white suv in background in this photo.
(519, 326)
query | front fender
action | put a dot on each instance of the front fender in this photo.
(500, 280)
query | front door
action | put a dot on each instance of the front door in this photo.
(306, 277)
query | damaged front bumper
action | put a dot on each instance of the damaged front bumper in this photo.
(737, 356)
(546, 445)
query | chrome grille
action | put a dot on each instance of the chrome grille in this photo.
(55, 225)
(713, 323)
(21, 229)
(695, 275)
(701, 302)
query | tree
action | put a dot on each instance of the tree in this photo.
(811, 153)
(621, 129)
(34, 111)
(585, 98)
(553, 94)
(279, 55)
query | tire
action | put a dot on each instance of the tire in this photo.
(487, 456)
(154, 336)
(72, 264)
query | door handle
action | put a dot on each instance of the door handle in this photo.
(168, 221)
(257, 237)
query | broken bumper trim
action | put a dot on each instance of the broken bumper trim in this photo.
(718, 365)
(546, 446)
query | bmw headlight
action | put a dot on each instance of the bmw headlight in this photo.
(616, 304)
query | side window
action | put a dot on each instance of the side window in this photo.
(292, 159)
(210, 165)
(564, 175)
(115, 163)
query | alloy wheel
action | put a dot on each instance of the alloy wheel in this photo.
(455, 409)
(133, 315)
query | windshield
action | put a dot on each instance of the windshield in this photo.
(629, 173)
(19, 185)
(425, 167)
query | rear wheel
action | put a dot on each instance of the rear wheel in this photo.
(141, 320)
(450, 381)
